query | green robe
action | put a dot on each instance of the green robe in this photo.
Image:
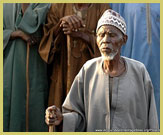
(14, 70)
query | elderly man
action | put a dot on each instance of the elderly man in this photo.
(110, 93)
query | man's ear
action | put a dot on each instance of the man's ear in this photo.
(125, 37)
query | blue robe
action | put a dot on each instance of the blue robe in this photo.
(143, 40)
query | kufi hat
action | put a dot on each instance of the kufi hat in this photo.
(110, 17)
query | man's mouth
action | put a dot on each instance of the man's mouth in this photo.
(106, 49)
(106, 46)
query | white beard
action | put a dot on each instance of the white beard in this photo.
(108, 56)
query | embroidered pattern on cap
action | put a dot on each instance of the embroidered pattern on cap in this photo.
(111, 17)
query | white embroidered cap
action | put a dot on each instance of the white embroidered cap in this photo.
(111, 17)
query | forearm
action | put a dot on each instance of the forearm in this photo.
(31, 39)
(85, 37)
(15, 34)
(90, 39)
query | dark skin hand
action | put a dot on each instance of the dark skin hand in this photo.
(74, 33)
(53, 116)
(73, 21)
(28, 38)
(20, 34)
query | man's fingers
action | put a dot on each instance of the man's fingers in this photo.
(66, 29)
(78, 21)
(70, 23)
(51, 108)
(68, 20)
(75, 22)
(53, 115)
(50, 111)
(50, 115)
(65, 25)
(50, 122)
(81, 22)
(54, 121)
(67, 32)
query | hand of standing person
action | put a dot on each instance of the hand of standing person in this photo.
(26, 37)
(74, 33)
(73, 21)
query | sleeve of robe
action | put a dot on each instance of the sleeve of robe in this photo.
(6, 37)
(152, 112)
(73, 107)
(6, 18)
(93, 48)
(36, 13)
(51, 33)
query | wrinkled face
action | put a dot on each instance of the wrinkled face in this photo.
(109, 41)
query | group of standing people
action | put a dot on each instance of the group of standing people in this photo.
(45, 46)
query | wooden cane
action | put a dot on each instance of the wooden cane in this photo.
(52, 127)
(68, 62)
(27, 92)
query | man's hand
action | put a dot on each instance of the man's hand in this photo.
(66, 28)
(73, 21)
(68, 31)
(20, 34)
(75, 33)
(53, 116)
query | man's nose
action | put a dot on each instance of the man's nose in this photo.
(107, 38)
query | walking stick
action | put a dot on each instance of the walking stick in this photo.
(68, 62)
(27, 93)
(52, 127)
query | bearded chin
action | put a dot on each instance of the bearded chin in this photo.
(108, 57)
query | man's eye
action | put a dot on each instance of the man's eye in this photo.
(112, 34)
(101, 35)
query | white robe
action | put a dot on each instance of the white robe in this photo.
(87, 107)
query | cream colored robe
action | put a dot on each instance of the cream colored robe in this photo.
(87, 106)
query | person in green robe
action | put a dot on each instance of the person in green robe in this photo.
(25, 84)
